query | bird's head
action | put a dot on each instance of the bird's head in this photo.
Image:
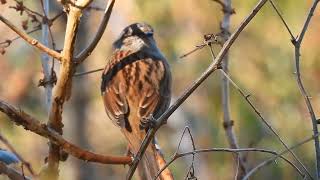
(136, 36)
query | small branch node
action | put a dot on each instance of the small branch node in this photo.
(43, 82)
(228, 124)
(34, 42)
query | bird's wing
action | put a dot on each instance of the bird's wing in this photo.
(114, 99)
(156, 97)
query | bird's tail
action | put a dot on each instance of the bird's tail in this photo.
(152, 160)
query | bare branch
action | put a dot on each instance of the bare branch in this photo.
(87, 51)
(6, 43)
(209, 39)
(12, 173)
(227, 122)
(45, 59)
(282, 19)
(246, 97)
(297, 45)
(264, 163)
(231, 150)
(213, 66)
(225, 7)
(29, 123)
(307, 22)
(31, 40)
(87, 72)
(21, 7)
(63, 88)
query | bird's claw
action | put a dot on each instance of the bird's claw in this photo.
(148, 122)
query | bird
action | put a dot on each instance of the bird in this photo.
(136, 90)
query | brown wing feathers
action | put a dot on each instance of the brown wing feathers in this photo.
(132, 73)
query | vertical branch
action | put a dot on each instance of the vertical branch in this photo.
(63, 88)
(297, 44)
(227, 122)
(45, 59)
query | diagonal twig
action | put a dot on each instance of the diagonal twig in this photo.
(264, 163)
(88, 72)
(87, 51)
(31, 40)
(282, 19)
(12, 173)
(246, 97)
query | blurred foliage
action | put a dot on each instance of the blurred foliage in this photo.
(261, 63)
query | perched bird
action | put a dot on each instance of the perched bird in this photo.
(136, 90)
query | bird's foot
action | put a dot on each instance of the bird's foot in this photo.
(148, 122)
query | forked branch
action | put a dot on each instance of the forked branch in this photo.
(297, 44)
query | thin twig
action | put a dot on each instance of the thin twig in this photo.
(246, 97)
(18, 37)
(264, 163)
(209, 40)
(8, 42)
(189, 90)
(231, 150)
(45, 60)
(12, 173)
(282, 19)
(186, 129)
(87, 72)
(31, 40)
(87, 51)
(25, 8)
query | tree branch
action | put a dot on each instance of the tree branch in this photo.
(87, 51)
(63, 88)
(227, 122)
(297, 45)
(45, 59)
(227, 150)
(12, 173)
(213, 66)
(282, 19)
(246, 97)
(264, 163)
(29, 123)
(31, 40)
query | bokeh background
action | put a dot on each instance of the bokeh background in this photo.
(261, 63)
